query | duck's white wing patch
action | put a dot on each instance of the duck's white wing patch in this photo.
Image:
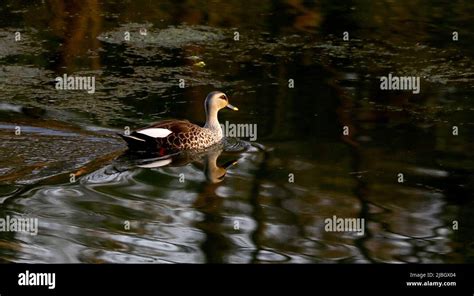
(155, 132)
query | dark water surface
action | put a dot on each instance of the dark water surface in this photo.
(336, 84)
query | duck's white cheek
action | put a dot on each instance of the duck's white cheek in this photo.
(155, 132)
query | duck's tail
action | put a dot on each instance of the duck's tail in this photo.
(144, 144)
(133, 141)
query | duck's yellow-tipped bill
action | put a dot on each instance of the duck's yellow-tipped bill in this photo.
(232, 107)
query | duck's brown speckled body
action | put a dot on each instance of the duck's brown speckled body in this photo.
(184, 135)
(173, 135)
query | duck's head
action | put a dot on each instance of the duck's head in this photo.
(216, 101)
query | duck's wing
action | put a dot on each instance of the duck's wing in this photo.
(168, 122)
(164, 128)
(148, 138)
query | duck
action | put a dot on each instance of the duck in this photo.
(175, 135)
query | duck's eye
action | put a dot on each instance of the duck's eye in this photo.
(223, 97)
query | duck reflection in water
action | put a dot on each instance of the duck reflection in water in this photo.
(216, 244)
(207, 161)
